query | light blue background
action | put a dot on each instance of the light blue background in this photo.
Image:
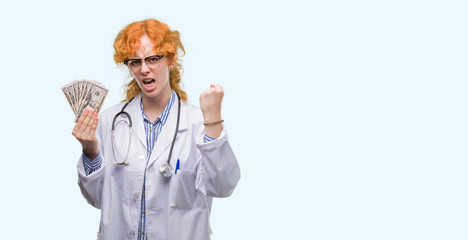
(349, 118)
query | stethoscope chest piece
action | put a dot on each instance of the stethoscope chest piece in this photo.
(165, 170)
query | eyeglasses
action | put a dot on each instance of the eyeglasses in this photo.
(151, 61)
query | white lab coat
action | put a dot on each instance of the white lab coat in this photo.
(177, 208)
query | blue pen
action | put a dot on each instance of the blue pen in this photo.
(177, 166)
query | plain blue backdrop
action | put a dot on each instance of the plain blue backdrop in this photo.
(348, 118)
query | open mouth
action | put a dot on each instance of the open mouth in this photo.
(148, 81)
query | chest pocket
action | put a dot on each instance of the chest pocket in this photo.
(183, 192)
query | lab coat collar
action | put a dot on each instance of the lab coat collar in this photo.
(166, 135)
(167, 132)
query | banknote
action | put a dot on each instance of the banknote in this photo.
(84, 93)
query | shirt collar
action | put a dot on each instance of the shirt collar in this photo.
(165, 113)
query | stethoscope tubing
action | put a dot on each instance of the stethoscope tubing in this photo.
(165, 169)
(130, 132)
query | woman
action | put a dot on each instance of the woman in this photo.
(136, 201)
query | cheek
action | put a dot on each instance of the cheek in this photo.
(162, 76)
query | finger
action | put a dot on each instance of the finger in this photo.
(218, 89)
(213, 88)
(89, 130)
(82, 117)
(96, 121)
(87, 119)
(79, 123)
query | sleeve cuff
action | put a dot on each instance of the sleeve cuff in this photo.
(208, 138)
(91, 165)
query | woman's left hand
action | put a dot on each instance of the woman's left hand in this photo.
(210, 104)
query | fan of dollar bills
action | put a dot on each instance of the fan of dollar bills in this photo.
(83, 93)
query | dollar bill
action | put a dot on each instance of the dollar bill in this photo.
(68, 96)
(94, 99)
(84, 93)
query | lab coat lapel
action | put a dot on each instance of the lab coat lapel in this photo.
(167, 133)
(134, 110)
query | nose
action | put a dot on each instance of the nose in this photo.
(144, 68)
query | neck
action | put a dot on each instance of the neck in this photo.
(154, 106)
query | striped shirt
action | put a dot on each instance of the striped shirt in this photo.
(91, 165)
(152, 130)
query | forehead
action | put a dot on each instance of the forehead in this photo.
(144, 49)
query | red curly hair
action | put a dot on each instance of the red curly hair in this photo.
(165, 42)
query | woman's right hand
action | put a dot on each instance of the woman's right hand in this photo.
(85, 132)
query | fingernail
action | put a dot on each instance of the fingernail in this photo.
(212, 85)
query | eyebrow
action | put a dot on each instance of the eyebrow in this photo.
(154, 55)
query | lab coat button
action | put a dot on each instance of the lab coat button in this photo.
(132, 234)
(135, 196)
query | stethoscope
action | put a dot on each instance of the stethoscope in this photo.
(165, 169)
